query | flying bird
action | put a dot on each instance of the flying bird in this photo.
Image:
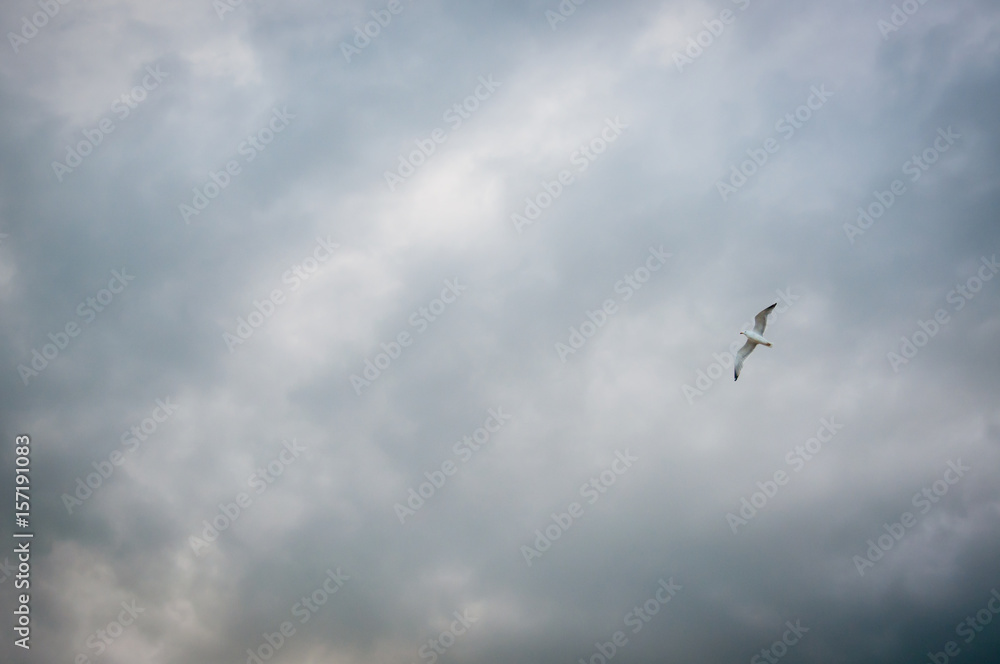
(754, 337)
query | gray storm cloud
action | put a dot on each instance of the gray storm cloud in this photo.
(403, 331)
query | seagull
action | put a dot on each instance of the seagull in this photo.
(754, 337)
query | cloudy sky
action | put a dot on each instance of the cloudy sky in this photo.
(400, 331)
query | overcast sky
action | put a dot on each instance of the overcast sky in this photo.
(400, 331)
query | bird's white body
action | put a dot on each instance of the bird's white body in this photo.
(755, 337)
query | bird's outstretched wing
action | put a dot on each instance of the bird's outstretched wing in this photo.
(742, 355)
(760, 320)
